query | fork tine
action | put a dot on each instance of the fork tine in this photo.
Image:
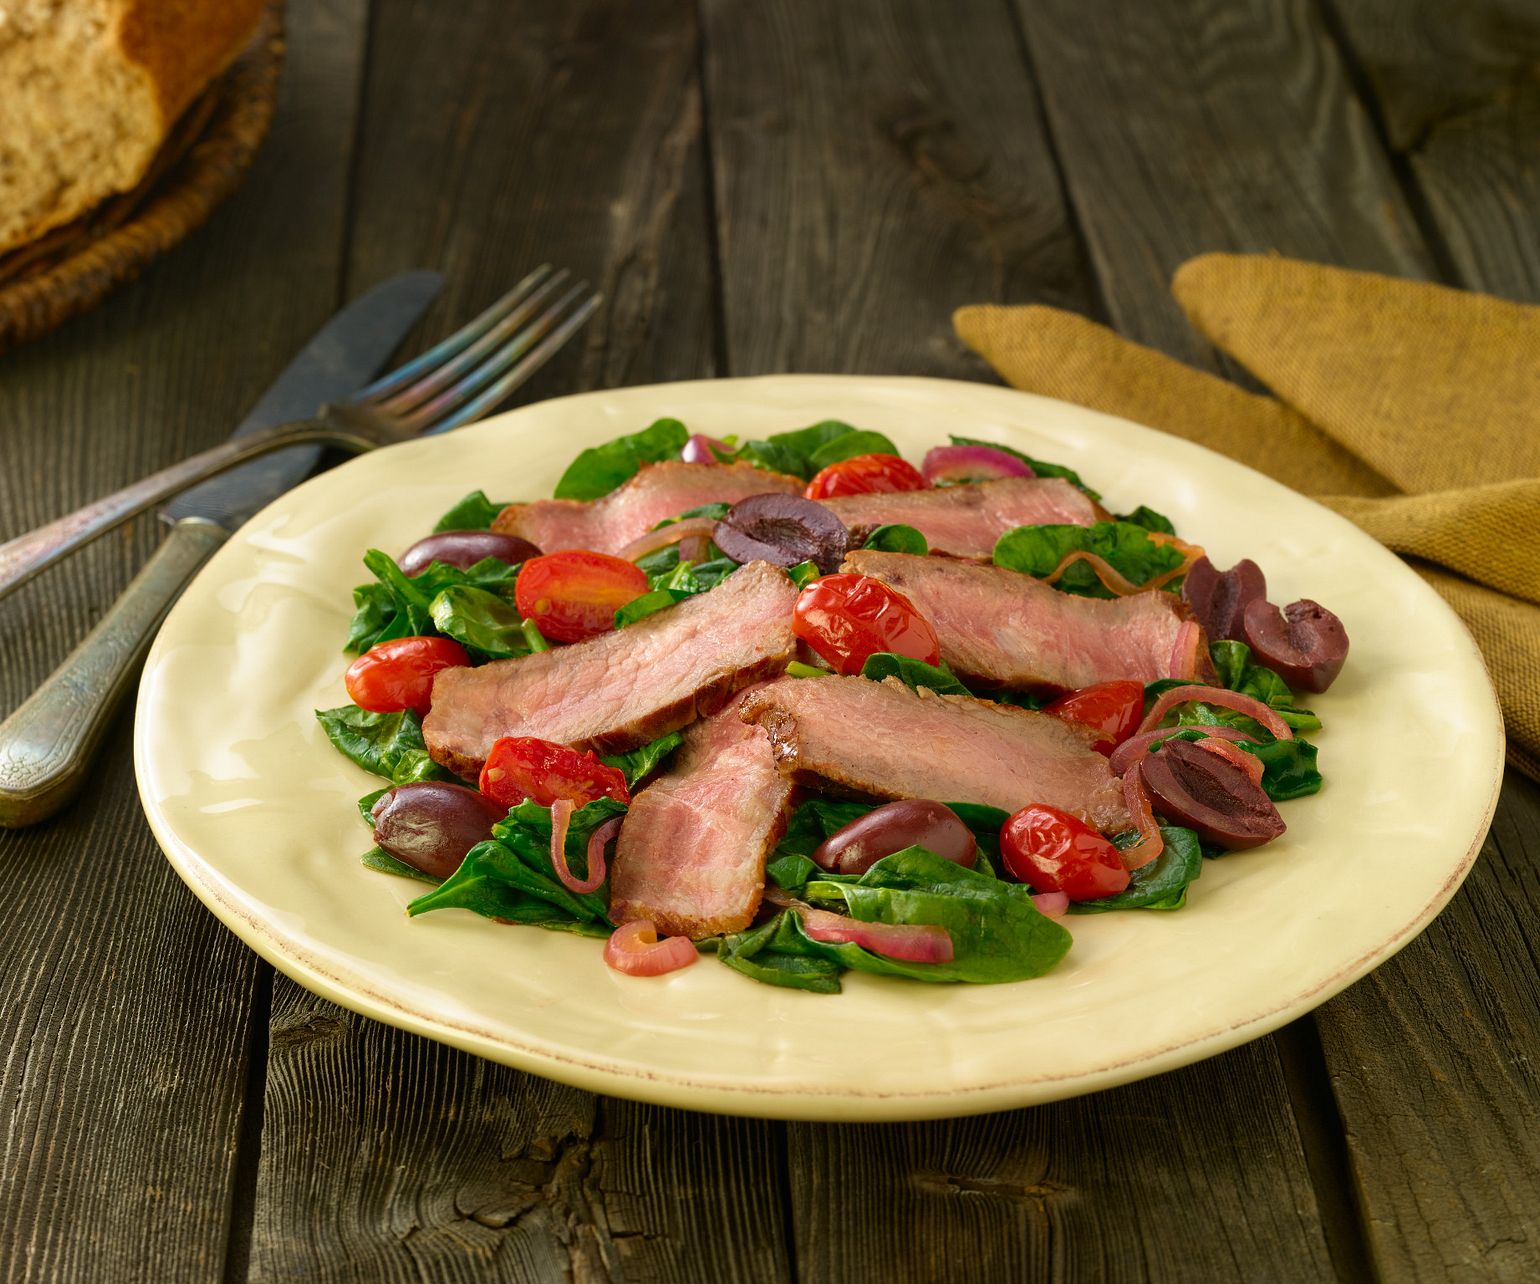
(440, 353)
(424, 389)
(531, 362)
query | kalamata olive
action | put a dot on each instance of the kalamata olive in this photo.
(431, 824)
(465, 548)
(782, 530)
(1210, 795)
(1219, 598)
(911, 822)
(1305, 644)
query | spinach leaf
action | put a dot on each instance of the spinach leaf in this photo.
(388, 744)
(791, 871)
(382, 862)
(1149, 519)
(803, 573)
(511, 876)
(796, 669)
(803, 452)
(848, 446)
(1038, 466)
(895, 537)
(1238, 671)
(913, 673)
(776, 953)
(398, 605)
(815, 820)
(1288, 768)
(642, 762)
(773, 458)
(716, 511)
(366, 805)
(1160, 885)
(473, 513)
(484, 623)
(600, 469)
(1128, 549)
(639, 608)
(997, 933)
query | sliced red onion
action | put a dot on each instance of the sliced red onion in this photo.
(1151, 842)
(954, 465)
(635, 949)
(1051, 904)
(693, 548)
(701, 449)
(1138, 745)
(1184, 652)
(1228, 750)
(673, 533)
(910, 942)
(561, 818)
(1223, 697)
(1108, 574)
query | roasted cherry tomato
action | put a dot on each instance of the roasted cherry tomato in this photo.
(1111, 709)
(391, 676)
(846, 618)
(1052, 851)
(573, 595)
(866, 475)
(520, 767)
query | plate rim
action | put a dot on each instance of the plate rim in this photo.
(725, 1096)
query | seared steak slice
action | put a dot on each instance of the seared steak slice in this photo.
(657, 492)
(883, 740)
(621, 689)
(1006, 629)
(691, 855)
(965, 521)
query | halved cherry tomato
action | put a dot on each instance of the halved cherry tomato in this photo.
(866, 475)
(391, 676)
(1052, 851)
(847, 618)
(520, 767)
(573, 595)
(1111, 709)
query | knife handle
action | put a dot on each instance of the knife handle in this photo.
(47, 744)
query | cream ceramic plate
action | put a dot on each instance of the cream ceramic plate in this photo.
(256, 811)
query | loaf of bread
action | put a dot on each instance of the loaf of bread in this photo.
(89, 90)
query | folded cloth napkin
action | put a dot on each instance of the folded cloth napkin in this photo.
(1411, 409)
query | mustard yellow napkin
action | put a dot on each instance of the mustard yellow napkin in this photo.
(1410, 408)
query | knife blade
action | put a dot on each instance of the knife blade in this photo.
(344, 355)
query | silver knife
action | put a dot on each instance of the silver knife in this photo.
(48, 742)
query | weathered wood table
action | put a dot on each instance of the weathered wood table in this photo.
(756, 187)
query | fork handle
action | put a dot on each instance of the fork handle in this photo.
(26, 555)
(47, 744)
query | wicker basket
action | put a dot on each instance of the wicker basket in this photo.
(204, 158)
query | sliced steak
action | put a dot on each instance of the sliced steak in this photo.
(656, 493)
(692, 849)
(965, 521)
(621, 689)
(1006, 629)
(883, 740)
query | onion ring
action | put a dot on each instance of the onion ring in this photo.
(1223, 697)
(664, 536)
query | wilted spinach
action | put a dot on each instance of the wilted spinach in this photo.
(600, 469)
(1128, 549)
(473, 513)
(388, 744)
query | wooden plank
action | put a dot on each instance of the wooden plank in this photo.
(1216, 126)
(1455, 90)
(126, 1006)
(517, 133)
(1194, 1175)
(876, 166)
(1159, 176)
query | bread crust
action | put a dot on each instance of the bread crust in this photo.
(184, 44)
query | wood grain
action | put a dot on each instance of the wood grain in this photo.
(1215, 126)
(1043, 1193)
(531, 133)
(876, 164)
(1155, 180)
(1457, 90)
(125, 1007)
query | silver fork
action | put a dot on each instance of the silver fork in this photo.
(47, 743)
(455, 383)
